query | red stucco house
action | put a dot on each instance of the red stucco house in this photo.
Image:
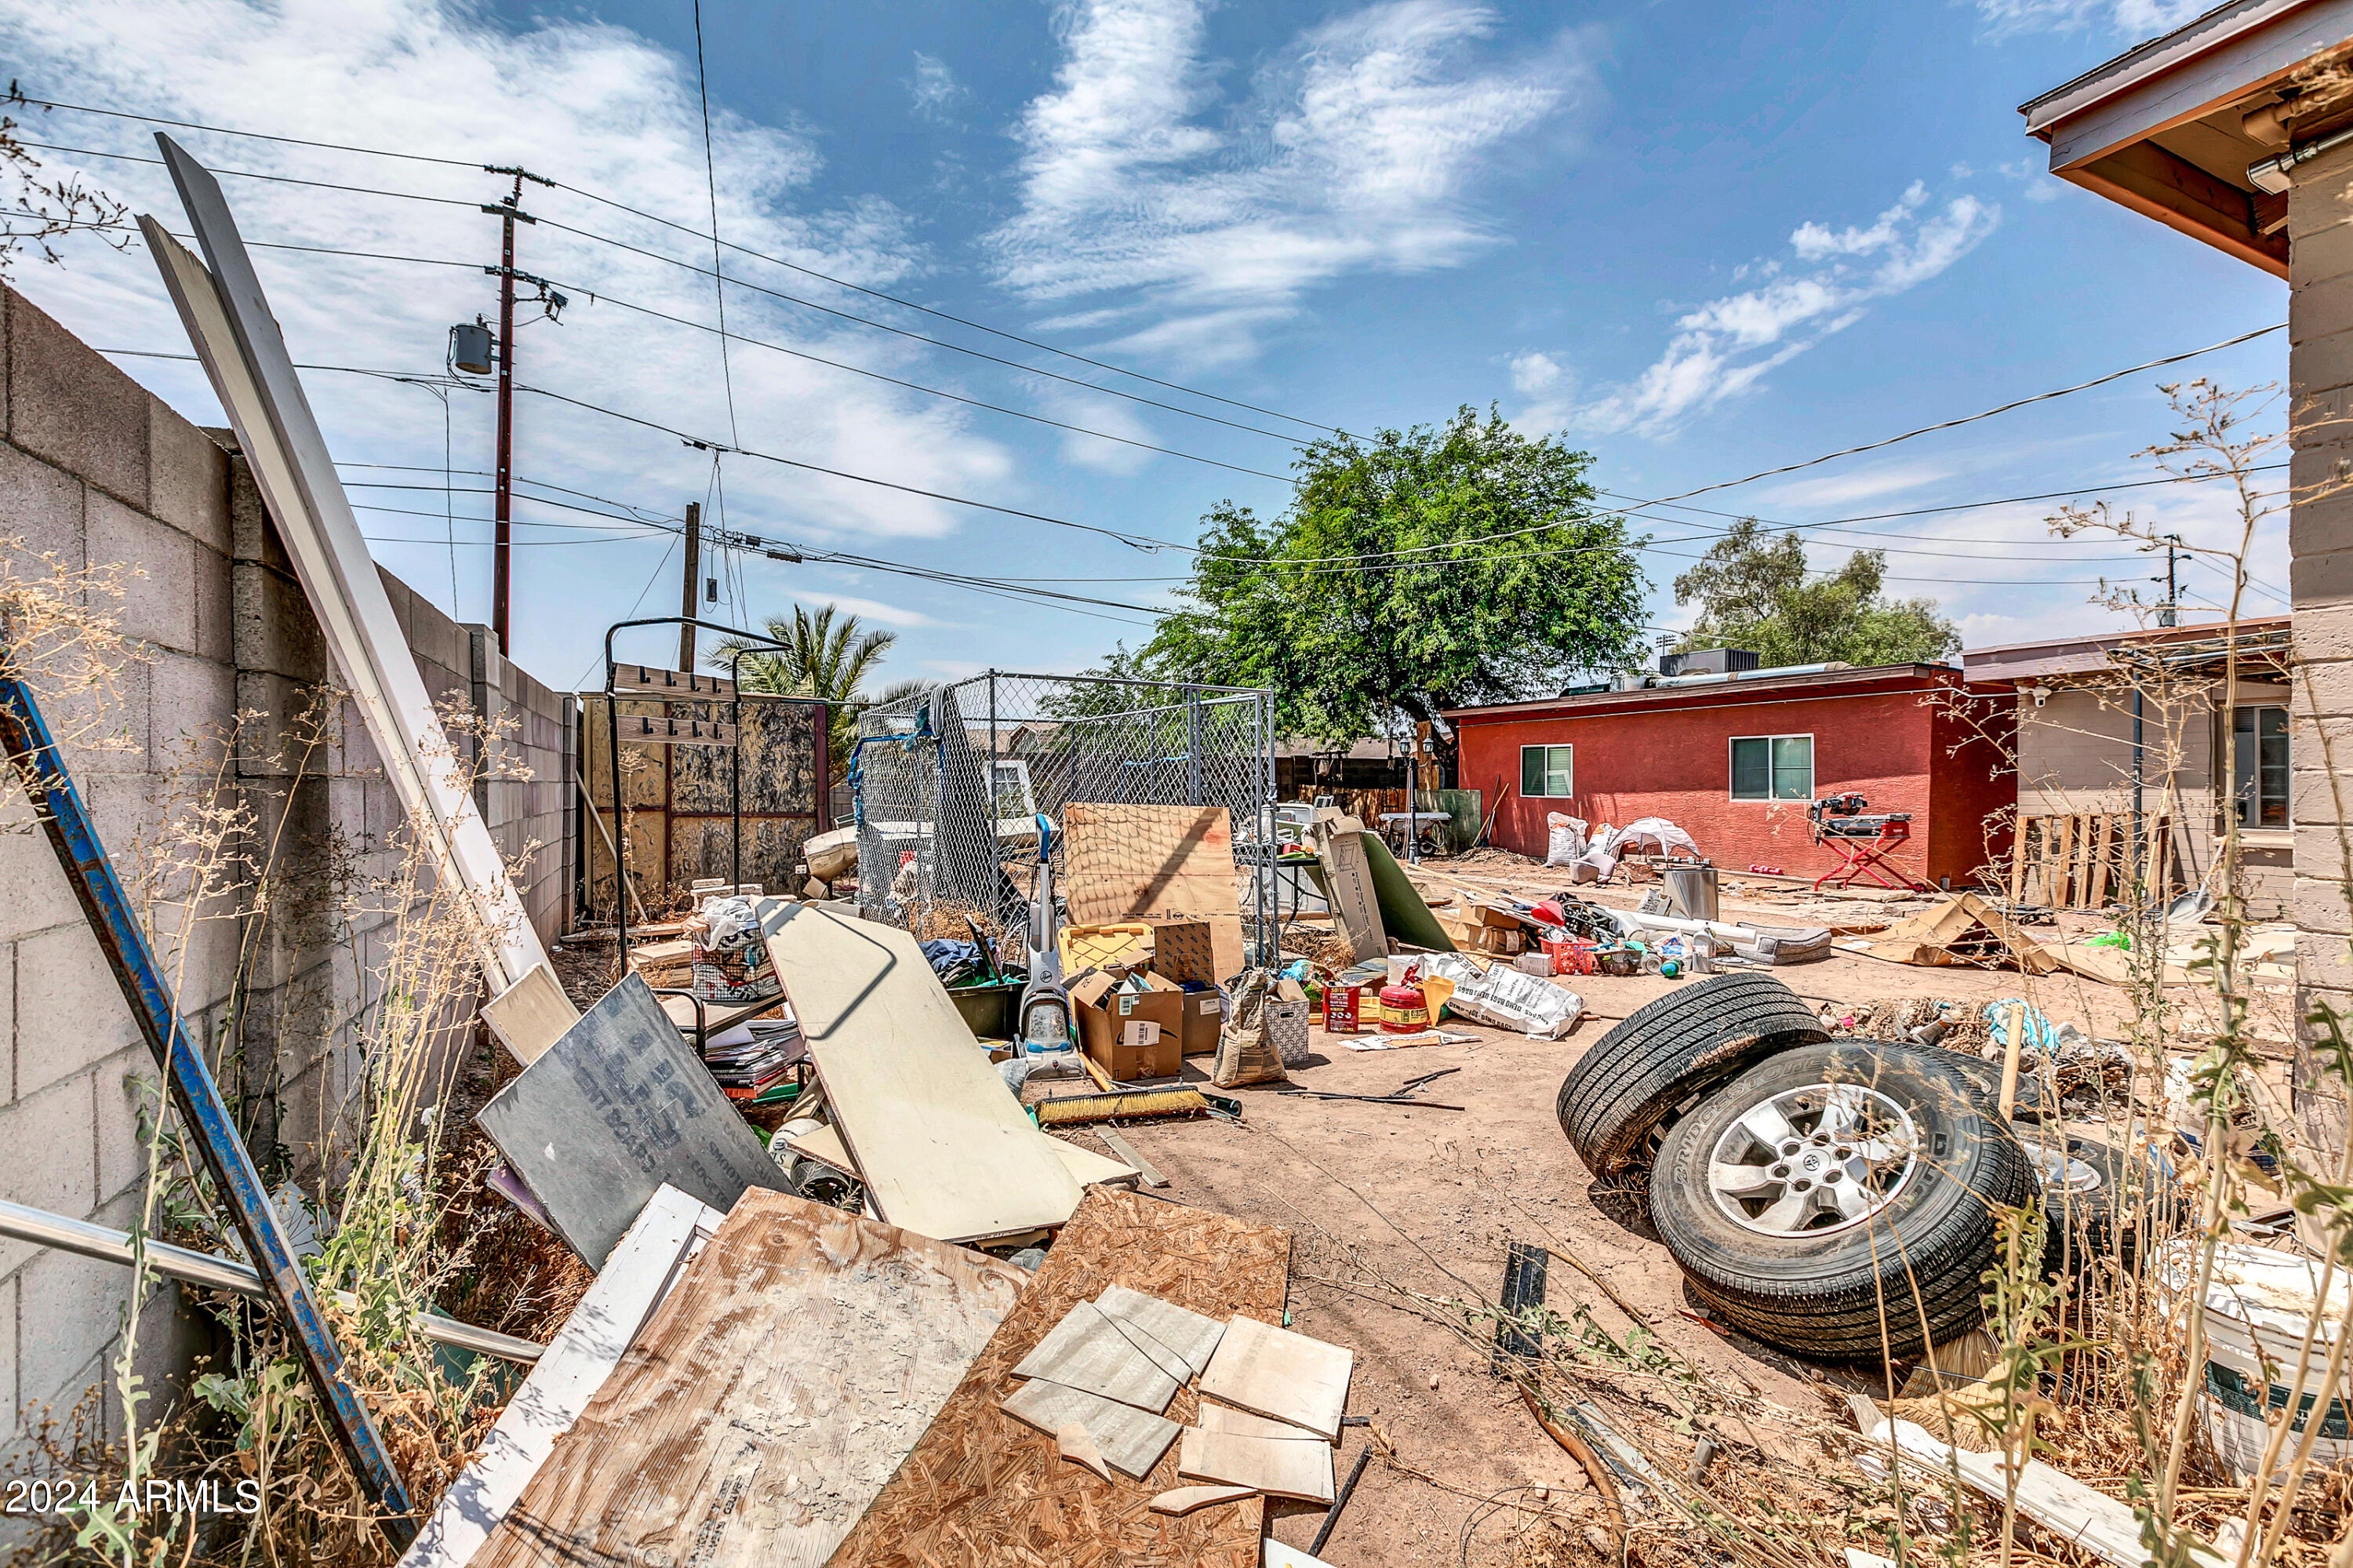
(1734, 759)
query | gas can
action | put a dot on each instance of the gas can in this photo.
(1340, 1008)
(1404, 1010)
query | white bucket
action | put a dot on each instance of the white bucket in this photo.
(2256, 1310)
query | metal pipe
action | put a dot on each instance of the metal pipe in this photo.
(42, 1228)
(2271, 175)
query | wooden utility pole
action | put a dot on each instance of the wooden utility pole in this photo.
(503, 505)
(686, 590)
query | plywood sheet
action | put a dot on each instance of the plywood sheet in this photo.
(723, 1441)
(1216, 1417)
(1275, 1373)
(614, 1110)
(1129, 1440)
(980, 1489)
(940, 1141)
(1121, 862)
(1278, 1467)
(1088, 1350)
(1193, 1336)
(1086, 1166)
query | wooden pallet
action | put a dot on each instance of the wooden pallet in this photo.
(2084, 860)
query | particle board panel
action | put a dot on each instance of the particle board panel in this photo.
(768, 1400)
(1129, 1440)
(1121, 862)
(616, 1109)
(1216, 1417)
(980, 1488)
(531, 1015)
(1086, 1166)
(1088, 1350)
(1278, 1467)
(645, 1267)
(1191, 1335)
(941, 1142)
(1275, 1373)
(1349, 887)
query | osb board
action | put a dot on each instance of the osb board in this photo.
(1120, 862)
(982, 1488)
(721, 1441)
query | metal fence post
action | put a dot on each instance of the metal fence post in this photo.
(1192, 746)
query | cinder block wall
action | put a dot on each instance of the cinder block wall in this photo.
(95, 470)
(2320, 584)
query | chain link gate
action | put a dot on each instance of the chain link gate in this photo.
(946, 784)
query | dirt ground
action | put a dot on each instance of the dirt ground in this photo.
(1425, 1199)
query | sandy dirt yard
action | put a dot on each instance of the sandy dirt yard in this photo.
(1423, 1200)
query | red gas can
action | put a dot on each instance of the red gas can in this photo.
(1404, 1009)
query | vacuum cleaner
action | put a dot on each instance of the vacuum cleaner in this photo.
(1044, 1021)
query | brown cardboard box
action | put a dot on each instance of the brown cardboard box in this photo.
(1205, 1015)
(1503, 940)
(1106, 1017)
(1182, 950)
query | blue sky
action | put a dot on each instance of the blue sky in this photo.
(1695, 240)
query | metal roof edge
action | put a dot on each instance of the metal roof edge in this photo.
(2153, 56)
(1914, 676)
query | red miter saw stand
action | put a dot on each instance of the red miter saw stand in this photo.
(1863, 843)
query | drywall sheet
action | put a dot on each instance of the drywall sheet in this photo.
(1086, 1166)
(1121, 862)
(939, 1139)
(766, 1401)
(980, 1488)
(615, 1109)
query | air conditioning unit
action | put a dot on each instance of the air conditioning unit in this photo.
(1708, 662)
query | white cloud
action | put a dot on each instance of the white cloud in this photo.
(1727, 345)
(1214, 214)
(1533, 373)
(1868, 484)
(867, 609)
(934, 91)
(593, 104)
(2132, 18)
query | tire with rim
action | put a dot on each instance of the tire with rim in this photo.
(2095, 1203)
(1666, 1055)
(1802, 1195)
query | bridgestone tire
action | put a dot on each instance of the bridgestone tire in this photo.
(1821, 1293)
(1666, 1055)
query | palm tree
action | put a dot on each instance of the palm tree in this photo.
(825, 656)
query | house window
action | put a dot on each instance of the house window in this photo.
(2260, 765)
(1773, 768)
(1545, 771)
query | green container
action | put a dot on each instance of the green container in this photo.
(989, 1010)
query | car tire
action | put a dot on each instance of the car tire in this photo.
(1668, 1053)
(2095, 1207)
(1807, 1243)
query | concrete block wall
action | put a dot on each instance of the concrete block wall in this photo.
(2320, 584)
(94, 470)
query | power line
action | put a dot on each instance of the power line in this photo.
(254, 135)
(711, 181)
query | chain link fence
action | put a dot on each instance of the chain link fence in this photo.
(946, 785)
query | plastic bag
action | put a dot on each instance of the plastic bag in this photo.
(1246, 1048)
(1565, 839)
(1506, 997)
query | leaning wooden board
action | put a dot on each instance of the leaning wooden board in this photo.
(768, 1400)
(1120, 862)
(941, 1142)
(982, 1488)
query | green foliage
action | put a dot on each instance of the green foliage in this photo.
(1753, 593)
(826, 656)
(1414, 571)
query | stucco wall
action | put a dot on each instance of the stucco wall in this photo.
(1895, 748)
(94, 471)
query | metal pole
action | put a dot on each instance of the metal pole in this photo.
(1000, 884)
(502, 508)
(25, 734)
(1412, 760)
(1192, 746)
(686, 590)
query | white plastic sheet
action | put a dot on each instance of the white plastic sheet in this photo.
(1506, 997)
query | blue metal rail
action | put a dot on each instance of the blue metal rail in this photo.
(25, 735)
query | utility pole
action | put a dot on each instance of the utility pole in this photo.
(2168, 614)
(503, 507)
(686, 590)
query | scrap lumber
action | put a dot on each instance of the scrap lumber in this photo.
(1283, 1376)
(1121, 862)
(1087, 1351)
(616, 1109)
(1129, 1440)
(1963, 931)
(942, 1144)
(1184, 1499)
(1279, 1467)
(1190, 1335)
(981, 1488)
(591, 1344)
(531, 1014)
(1086, 1167)
(766, 1401)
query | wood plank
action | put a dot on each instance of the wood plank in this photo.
(720, 1439)
(1278, 1555)
(1087, 1351)
(531, 1015)
(646, 680)
(1121, 1147)
(647, 1264)
(614, 1110)
(980, 1489)
(2018, 858)
(1120, 862)
(1129, 1440)
(943, 1145)
(2105, 826)
(1193, 1336)
(1086, 1166)
(1278, 1468)
(1184, 1499)
(2064, 876)
(1275, 1373)
(1215, 1417)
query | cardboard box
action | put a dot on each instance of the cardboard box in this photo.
(1107, 1016)
(1205, 1016)
(1182, 950)
(1506, 940)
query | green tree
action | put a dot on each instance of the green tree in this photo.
(1754, 593)
(826, 656)
(1414, 571)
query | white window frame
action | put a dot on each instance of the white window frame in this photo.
(1548, 748)
(1768, 798)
